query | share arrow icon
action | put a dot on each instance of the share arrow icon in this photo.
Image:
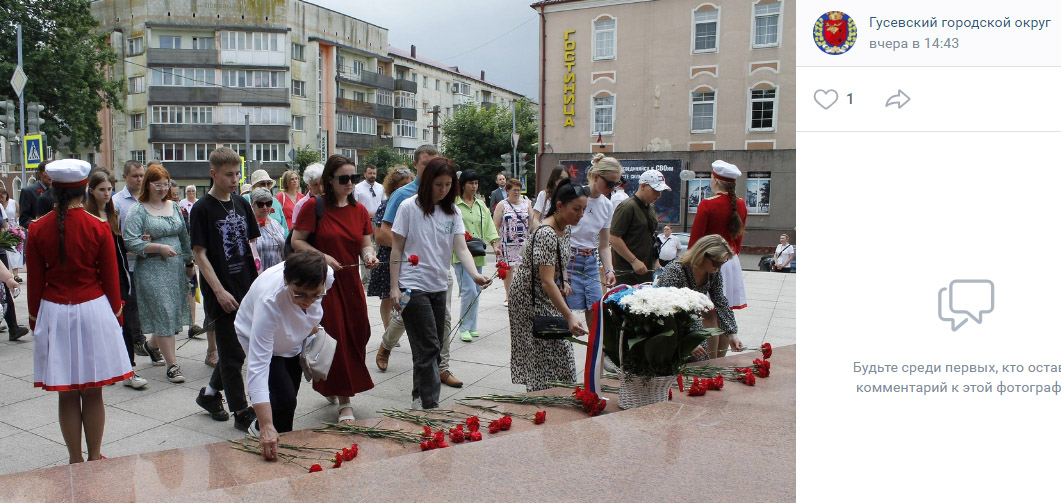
(900, 100)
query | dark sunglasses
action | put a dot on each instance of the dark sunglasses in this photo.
(715, 262)
(263, 204)
(581, 190)
(610, 184)
(345, 179)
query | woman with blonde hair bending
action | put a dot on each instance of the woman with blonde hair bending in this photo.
(698, 269)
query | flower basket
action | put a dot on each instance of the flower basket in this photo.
(638, 391)
(652, 331)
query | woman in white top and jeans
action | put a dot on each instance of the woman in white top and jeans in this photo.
(280, 311)
(590, 247)
(428, 226)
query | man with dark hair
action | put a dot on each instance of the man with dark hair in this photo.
(27, 199)
(499, 193)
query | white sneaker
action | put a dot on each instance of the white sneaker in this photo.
(136, 382)
(417, 404)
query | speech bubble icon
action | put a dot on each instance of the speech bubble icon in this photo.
(972, 297)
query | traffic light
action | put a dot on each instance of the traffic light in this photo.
(33, 117)
(7, 116)
(506, 160)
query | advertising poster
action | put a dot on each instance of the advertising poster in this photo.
(669, 205)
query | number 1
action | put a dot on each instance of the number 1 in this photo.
(850, 98)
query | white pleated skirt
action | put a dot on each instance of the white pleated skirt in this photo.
(733, 283)
(78, 346)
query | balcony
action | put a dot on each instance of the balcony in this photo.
(360, 141)
(214, 95)
(405, 85)
(200, 170)
(364, 109)
(366, 78)
(216, 133)
(408, 114)
(182, 57)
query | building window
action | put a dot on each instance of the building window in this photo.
(298, 87)
(138, 155)
(267, 152)
(356, 124)
(462, 88)
(298, 51)
(169, 42)
(252, 41)
(405, 129)
(349, 153)
(264, 116)
(705, 31)
(253, 78)
(182, 115)
(438, 85)
(203, 43)
(298, 122)
(404, 99)
(188, 77)
(425, 134)
(703, 113)
(399, 74)
(757, 196)
(183, 151)
(763, 105)
(384, 98)
(604, 39)
(136, 84)
(767, 27)
(134, 46)
(603, 115)
(136, 121)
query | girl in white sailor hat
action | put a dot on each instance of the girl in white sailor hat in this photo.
(75, 309)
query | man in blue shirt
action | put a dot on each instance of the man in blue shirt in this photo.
(396, 328)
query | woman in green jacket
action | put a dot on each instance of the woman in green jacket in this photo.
(478, 224)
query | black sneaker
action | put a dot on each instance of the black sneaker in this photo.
(139, 348)
(16, 333)
(214, 404)
(156, 355)
(244, 418)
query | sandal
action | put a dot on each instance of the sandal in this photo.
(348, 418)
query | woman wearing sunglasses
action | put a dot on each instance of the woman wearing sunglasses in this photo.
(271, 243)
(698, 269)
(344, 236)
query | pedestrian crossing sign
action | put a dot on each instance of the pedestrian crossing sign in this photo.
(34, 151)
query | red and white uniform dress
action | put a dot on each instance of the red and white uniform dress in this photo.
(76, 307)
(712, 217)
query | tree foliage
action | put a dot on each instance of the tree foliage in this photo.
(304, 156)
(65, 60)
(383, 158)
(475, 137)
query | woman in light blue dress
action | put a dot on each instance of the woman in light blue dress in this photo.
(154, 232)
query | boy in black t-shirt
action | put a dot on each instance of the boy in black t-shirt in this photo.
(222, 234)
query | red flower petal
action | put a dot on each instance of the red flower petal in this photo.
(495, 426)
(413, 260)
(426, 446)
(767, 350)
(316, 468)
(539, 417)
(467, 236)
(475, 436)
(338, 460)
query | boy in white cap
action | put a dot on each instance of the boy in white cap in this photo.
(724, 214)
(633, 231)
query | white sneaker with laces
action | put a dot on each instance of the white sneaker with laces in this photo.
(136, 382)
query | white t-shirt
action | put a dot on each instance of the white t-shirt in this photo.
(430, 238)
(598, 216)
(187, 205)
(784, 257)
(269, 323)
(363, 195)
(541, 204)
(618, 195)
(669, 248)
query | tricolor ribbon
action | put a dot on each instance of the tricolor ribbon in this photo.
(595, 344)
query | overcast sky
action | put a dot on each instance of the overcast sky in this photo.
(498, 36)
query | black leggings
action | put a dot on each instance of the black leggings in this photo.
(285, 376)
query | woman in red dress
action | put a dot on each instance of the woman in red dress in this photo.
(75, 309)
(344, 236)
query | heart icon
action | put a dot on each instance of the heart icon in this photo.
(826, 99)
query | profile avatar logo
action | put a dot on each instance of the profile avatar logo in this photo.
(835, 32)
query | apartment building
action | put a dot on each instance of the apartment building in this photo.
(676, 83)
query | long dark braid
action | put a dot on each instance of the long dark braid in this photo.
(63, 196)
(736, 226)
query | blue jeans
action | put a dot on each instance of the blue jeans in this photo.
(585, 287)
(469, 298)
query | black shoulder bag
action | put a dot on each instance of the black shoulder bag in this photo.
(546, 327)
(288, 250)
(477, 246)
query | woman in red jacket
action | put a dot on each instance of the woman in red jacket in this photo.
(724, 214)
(75, 309)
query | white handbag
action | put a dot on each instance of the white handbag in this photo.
(317, 354)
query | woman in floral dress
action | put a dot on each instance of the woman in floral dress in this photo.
(512, 219)
(535, 362)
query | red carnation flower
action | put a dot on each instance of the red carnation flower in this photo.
(456, 435)
(353, 450)
(539, 417)
(427, 432)
(502, 273)
(426, 446)
(439, 437)
(473, 423)
(467, 236)
(475, 436)
(413, 260)
(40, 191)
(505, 422)
(316, 468)
(670, 394)
(495, 426)
(767, 350)
(338, 460)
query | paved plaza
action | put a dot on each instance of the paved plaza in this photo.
(164, 415)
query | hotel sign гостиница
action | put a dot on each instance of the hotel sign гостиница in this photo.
(569, 79)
